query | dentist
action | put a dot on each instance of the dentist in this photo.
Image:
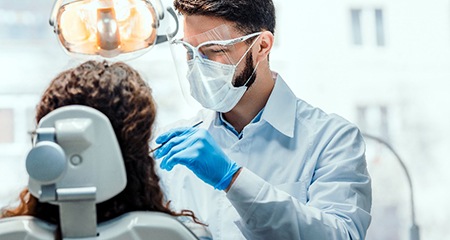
(275, 167)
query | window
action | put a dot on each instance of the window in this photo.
(6, 126)
(24, 20)
(379, 27)
(356, 26)
(367, 27)
(374, 119)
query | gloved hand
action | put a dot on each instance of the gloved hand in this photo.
(196, 149)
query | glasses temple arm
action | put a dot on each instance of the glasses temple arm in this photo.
(230, 41)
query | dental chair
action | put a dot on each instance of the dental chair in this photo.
(76, 163)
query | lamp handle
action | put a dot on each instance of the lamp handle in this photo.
(163, 38)
(56, 6)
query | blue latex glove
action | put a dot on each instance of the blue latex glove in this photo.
(196, 149)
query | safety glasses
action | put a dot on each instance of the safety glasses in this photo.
(215, 50)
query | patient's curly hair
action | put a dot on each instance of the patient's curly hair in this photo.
(119, 92)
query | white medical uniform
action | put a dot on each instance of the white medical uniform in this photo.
(304, 176)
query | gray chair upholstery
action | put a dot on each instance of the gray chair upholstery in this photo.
(76, 163)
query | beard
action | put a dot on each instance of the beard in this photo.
(246, 74)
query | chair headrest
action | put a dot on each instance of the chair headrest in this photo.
(75, 163)
(75, 148)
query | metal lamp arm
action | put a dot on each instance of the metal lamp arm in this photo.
(414, 230)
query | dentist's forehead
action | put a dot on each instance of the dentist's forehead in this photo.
(219, 33)
(198, 29)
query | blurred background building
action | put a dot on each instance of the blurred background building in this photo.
(384, 65)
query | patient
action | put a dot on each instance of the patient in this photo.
(118, 91)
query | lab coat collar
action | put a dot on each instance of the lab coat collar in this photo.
(281, 108)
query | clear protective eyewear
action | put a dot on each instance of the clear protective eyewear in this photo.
(214, 50)
(108, 28)
(219, 44)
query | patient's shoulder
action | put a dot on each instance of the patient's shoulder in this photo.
(201, 231)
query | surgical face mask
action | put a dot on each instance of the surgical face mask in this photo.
(211, 82)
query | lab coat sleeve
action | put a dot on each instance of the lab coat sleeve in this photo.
(339, 198)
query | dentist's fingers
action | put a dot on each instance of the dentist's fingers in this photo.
(164, 148)
(174, 140)
(179, 154)
(170, 134)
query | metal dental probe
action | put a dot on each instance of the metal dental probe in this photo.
(160, 145)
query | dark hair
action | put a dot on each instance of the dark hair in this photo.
(249, 15)
(119, 92)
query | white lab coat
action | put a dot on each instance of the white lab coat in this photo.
(304, 176)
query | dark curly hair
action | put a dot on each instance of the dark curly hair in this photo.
(118, 91)
(249, 15)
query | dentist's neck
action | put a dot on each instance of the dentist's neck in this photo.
(254, 99)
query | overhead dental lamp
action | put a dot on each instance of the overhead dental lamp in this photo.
(122, 29)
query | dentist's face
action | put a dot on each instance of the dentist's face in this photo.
(195, 25)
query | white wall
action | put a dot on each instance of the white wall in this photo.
(410, 75)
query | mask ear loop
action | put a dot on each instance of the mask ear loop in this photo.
(256, 66)
(253, 73)
(248, 50)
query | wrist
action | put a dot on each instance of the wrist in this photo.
(235, 175)
(226, 179)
